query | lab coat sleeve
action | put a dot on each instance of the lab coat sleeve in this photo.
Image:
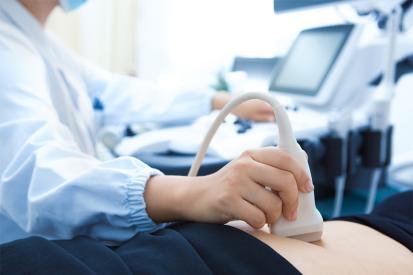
(129, 99)
(48, 187)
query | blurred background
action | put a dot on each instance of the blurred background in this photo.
(188, 41)
(152, 39)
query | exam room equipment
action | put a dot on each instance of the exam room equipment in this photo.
(327, 104)
(309, 224)
(376, 136)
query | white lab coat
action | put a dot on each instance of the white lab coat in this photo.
(51, 183)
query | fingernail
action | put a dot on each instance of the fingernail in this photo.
(293, 216)
(309, 186)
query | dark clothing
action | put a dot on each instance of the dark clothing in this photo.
(393, 217)
(189, 248)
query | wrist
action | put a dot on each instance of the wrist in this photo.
(173, 198)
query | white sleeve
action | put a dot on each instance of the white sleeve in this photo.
(129, 99)
(48, 187)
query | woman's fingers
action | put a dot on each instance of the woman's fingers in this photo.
(255, 109)
(242, 187)
(265, 200)
(282, 183)
(250, 214)
(279, 159)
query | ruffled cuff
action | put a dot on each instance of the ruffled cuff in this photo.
(135, 202)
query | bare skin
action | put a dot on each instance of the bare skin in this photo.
(345, 248)
(40, 9)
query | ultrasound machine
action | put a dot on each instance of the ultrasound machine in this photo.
(325, 81)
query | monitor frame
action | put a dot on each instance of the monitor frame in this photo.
(323, 93)
(288, 5)
(296, 5)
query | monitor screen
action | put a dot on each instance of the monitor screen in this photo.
(310, 60)
(287, 5)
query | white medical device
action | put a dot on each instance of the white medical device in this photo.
(380, 107)
(367, 57)
(309, 224)
(327, 67)
(316, 63)
(289, 5)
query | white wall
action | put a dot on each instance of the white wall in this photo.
(196, 38)
(102, 31)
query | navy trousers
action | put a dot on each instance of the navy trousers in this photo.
(189, 248)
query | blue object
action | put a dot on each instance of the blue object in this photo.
(244, 125)
(70, 5)
(98, 105)
(129, 132)
(354, 201)
(288, 5)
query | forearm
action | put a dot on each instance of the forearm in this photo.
(219, 100)
(255, 109)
